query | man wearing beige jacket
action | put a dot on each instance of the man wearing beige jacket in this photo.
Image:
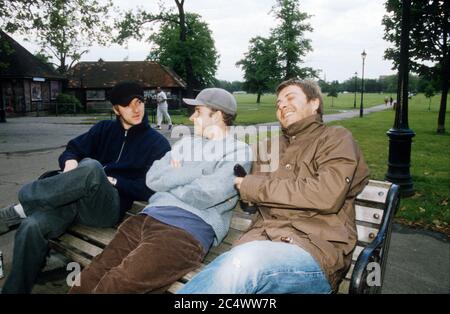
(305, 232)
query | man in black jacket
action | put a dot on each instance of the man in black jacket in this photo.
(103, 172)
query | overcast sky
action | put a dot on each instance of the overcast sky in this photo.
(341, 31)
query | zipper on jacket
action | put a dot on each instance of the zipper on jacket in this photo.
(123, 144)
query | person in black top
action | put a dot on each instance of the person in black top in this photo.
(102, 173)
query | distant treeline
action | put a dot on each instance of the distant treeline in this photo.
(230, 86)
(384, 84)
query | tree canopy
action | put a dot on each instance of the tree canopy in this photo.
(63, 29)
(429, 32)
(199, 47)
(186, 56)
(261, 68)
(290, 38)
(333, 91)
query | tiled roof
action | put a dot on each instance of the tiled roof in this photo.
(23, 64)
(103, 74)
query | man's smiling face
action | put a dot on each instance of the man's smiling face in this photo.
(292, 105)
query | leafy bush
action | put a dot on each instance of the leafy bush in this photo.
(66, 104)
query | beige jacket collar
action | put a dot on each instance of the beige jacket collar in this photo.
(303, 127)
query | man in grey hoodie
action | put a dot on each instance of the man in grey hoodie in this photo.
(190, 211)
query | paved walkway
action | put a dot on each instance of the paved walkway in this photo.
(419, 260)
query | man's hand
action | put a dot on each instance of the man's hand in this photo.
(238, 181)
(112, 180)
(70, 165)
(175, 163)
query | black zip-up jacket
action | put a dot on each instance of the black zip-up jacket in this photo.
(126, 155)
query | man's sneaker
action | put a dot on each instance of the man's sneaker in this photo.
(8, 218)
(170, 127)
(158, 127)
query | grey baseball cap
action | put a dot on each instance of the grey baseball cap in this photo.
(216, 98)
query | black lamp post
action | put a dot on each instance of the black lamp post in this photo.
(363, 55)
(354, 102)
(400, 135)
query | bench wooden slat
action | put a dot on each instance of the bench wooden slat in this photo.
(368, 214)
(221, 248)
(232, 236)
(366, 234)
(375, 191)
(80, 245)
(100, 235)
(350, 271)
(240, 223)
(70, 253)
(175, 287)
(356, 252)
(344, 286)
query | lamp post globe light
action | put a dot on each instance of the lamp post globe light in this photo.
(363, 56)
(354, 102)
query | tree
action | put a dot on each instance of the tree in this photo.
(324, 86)
(198, 47)
(5, 51)
(429, 93)
(62, 28)
(333, 91)
(290, 38)
(260, 65)
(429, 32)
(45, 59)
(132, 26)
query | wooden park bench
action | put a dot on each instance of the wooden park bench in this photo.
(375, 209)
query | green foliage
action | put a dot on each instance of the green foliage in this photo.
(183, 42)
(290, 38)
(229, 86)
(67, 102)
(260, 65)
(333, 91)
(430, 157)
(63, 28)
(45, 59)
(278, 57)
(427, 32)
(199, 47)
(429, 42)
(5, 51)
(384, 84)
(429, 91)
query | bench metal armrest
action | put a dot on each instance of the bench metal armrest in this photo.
(377, 250)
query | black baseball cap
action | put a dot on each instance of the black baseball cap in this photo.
(124, 92)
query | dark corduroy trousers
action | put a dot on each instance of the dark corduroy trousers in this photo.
(145, 256)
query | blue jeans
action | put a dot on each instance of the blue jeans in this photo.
(261, 267)
(82, 195)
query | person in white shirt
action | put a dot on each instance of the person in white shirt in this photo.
(162, 111)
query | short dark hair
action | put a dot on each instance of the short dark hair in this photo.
(309, 87)
(228, 119)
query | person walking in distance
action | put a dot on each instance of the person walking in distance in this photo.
(162, 111)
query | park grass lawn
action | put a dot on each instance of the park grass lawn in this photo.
(251, 113)
(430, 161)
